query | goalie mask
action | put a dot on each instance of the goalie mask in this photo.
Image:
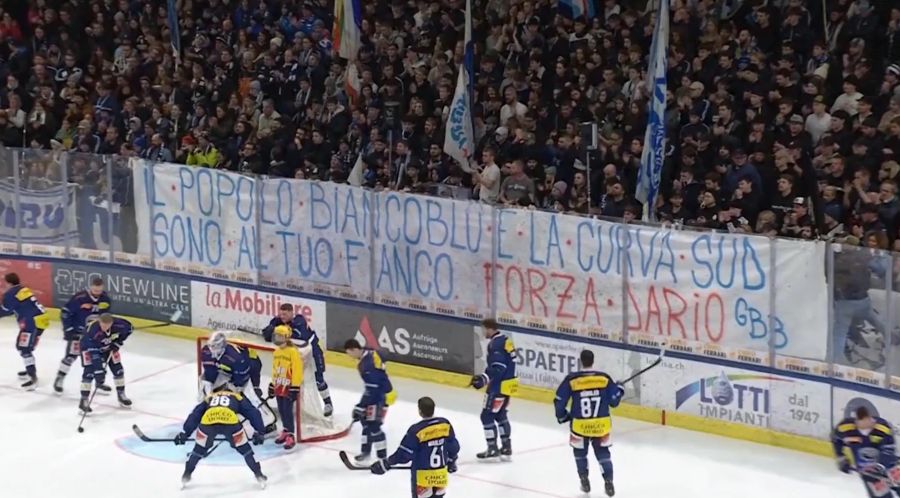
(281, 335)
(217, 343)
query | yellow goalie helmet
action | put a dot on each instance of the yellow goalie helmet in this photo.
(281, 334)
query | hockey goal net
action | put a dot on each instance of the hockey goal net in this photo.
(310, 421)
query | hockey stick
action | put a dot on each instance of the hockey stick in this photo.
(345, 458)
(84, 414)
(172, 319)
(147, 439)
(656, 362)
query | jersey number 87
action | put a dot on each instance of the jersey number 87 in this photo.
(590, 407)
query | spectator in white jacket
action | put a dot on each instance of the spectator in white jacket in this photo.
(849, 100)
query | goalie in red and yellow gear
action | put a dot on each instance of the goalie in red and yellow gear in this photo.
(287, 377)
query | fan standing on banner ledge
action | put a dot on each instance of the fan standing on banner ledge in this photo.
(499, 379)
(21, 302)
(865, 444)
(228, 365)
(302, 335)
(81, 310)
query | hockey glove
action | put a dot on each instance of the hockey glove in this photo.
(565, 417)
(380, 467)
(258, 392)
(180, 439)
(479, 381)
(451, 467)
(258, 438)
(843, 465)
(271, 389)
(358, 413)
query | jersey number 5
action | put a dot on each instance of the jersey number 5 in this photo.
(223, 401)
(590, 407)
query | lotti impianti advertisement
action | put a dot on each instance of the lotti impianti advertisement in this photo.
(221, 307)
(739, 396)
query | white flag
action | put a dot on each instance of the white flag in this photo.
(459, 138)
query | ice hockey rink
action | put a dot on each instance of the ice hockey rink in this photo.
(44, 456)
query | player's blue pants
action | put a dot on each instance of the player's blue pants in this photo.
(286, 412)
(372, 435)
(580, 446)
(26, 341)
(495, 419)
(73, 350)
(95, 368)
(255, 372)
(233, 433)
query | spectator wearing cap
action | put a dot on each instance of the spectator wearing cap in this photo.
(890, 86)
(797, 223)
(819, 122)
(740, 168)
(796, 137)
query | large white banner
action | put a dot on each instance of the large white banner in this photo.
(432, 254)
(703, 293)
(198, 221)
(316, 237)
(46, 218)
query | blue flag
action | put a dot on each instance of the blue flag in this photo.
(174, 33)
(654, 153)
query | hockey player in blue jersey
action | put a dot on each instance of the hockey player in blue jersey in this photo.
(81, 310)
(21, 302)
(500, 380)
(217, 415)
(100, 346)
(377, 396)
(302, 335)
(583, 399)
(866, 445)
(431, 448)
(223, 364)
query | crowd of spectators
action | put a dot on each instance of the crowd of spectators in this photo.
(782, 118)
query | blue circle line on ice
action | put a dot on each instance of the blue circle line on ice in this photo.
(168, 452)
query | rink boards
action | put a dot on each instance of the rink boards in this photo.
(757, 403)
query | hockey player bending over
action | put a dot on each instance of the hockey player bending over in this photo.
(18, 300)
(84, 308)
(217, 415)
(431, 447)
(287, 377)
(228, 366)
(866, 444)
(372, 407)
(501, 382)
(302, 335)
(100, 347)
(583, 399)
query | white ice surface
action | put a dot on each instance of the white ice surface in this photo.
(44, 456)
